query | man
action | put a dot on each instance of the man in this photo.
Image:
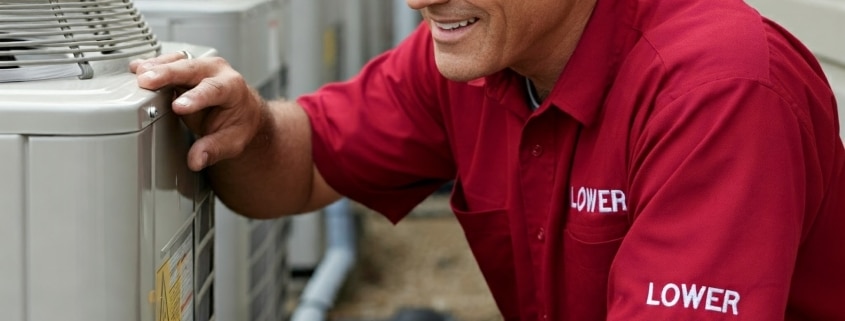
(613, 159)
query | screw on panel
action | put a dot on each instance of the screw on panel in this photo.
(152, 111)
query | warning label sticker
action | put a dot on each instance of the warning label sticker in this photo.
(174, 288)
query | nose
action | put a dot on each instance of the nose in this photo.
(420, 4)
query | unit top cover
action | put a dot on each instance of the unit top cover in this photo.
(108, 103)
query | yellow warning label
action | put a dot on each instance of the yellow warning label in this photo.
(174, 285)
(168, 294)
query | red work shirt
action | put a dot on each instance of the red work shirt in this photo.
(686, 166)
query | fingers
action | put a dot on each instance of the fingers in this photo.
(173, 69)
(194, 122)
(198, 157)
(162, 59)
(149, 75)
(212, 81)
(225, 130)
(180, 72)
(225, 89)
(213, 100)
(219, 145)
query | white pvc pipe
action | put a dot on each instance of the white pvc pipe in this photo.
(320, 292)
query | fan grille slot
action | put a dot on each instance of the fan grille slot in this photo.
(54, 32)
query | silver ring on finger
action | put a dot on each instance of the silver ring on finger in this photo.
(186, 54)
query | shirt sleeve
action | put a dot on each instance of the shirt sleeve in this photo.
(379, 137)
(721, 180)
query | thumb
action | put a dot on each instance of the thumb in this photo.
(214, 147)
(206, 151)
(199, 156)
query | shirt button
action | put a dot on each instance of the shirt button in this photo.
(541, 234)
(537, 150)
(545, 316)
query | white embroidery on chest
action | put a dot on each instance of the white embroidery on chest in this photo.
(594, 200)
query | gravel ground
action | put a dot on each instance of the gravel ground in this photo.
(422, 262)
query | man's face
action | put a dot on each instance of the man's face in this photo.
(475, 38)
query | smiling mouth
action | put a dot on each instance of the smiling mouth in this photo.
(455, 25)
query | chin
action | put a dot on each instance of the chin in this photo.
(459, 76)
(461, 69)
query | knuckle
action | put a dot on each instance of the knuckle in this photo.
(213, 86)
(234, 78)
(218, 62)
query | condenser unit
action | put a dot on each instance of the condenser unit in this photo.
(250, 255)
(101, 218)
(245, 32)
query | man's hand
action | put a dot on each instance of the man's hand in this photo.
(213, 100)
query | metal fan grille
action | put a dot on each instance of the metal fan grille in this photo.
(51, 32)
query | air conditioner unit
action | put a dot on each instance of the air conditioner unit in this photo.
(102, 220)
(250, 255)
(245, 32)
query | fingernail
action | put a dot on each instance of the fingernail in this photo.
(150, 75)
(182, 101)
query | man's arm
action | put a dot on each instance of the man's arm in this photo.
(274, 174)
(258, 153)
(724, 182)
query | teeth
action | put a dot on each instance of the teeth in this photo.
(456, 25)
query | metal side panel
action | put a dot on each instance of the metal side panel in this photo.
(261, 273)
(174, 187)
(282, 271)
(244, 32)
(82, 230)
(251, 267)
(278, 272)
(173, 183)
(148, 255)
(12, 270)
(260, 48)
(231, 256)
(205, 269)
(306, 242)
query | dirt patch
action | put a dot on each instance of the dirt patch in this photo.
(424, 261)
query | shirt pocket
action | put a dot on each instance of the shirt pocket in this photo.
(592, 239)
(590, 243)
(488, 233)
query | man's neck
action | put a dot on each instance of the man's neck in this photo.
(543, 93)
(554, 51)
